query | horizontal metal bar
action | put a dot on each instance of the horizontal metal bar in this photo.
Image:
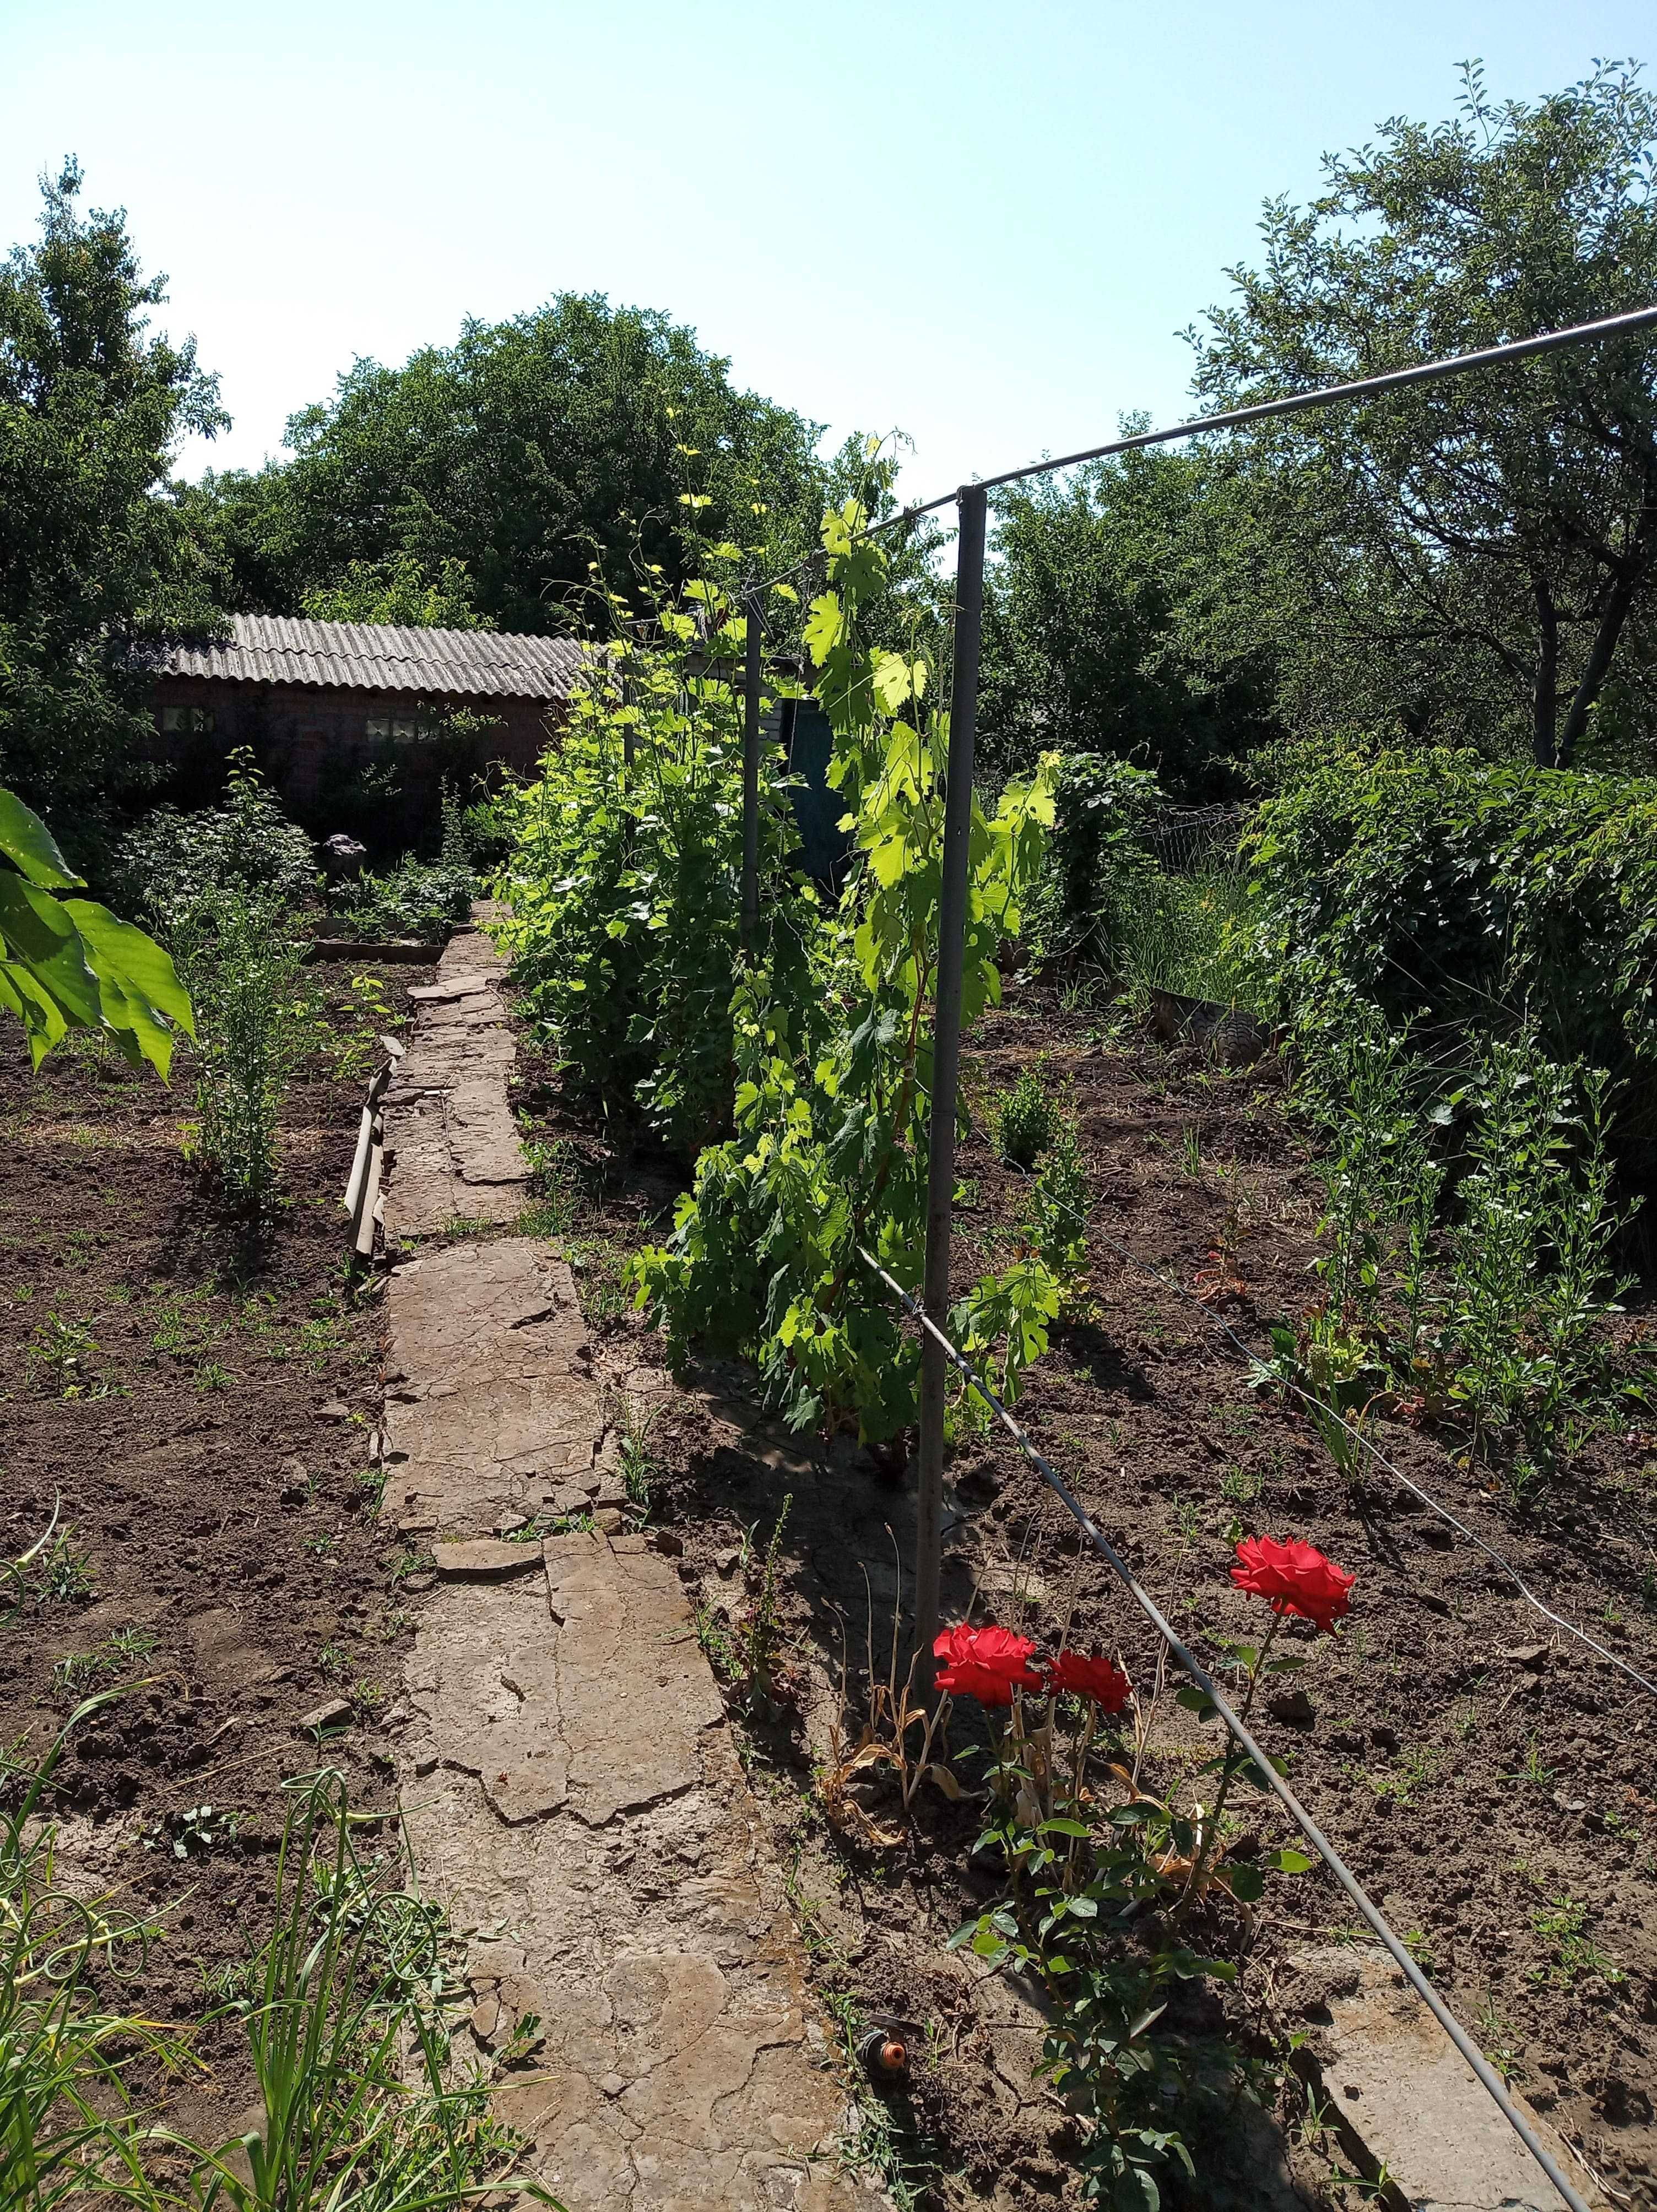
(1484, 2071)
(1297, 403)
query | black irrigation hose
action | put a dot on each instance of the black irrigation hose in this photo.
(1329, 1413)
(1263, 1768)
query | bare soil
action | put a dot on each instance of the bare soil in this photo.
(1483, 1772)
(203, 1411)
(198, 1409)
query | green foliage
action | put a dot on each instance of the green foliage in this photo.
(248, 845)
(1495, 1320)
(69, 964)
(834, 1066)
(1028, 1117)
(347, 2009)
(362, 2109)
(241, 972)
(1366, 1095)
(625, 883)
(66, 2053)
(417, 898)
(1101, 807)
(1182, 932)
(1533, 1273)
(1058, 1226)
(399, 590)
(1084, 1916)
(1095, 625)
(1468, 897)
(92, 408)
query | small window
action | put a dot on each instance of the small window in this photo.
(401, 729)
(176, 721)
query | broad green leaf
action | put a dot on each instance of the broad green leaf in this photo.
(39, 931)
(144, 969)
(30, 847)
(824, 626)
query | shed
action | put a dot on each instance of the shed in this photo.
(354, 723)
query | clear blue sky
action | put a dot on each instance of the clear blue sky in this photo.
(983, 223)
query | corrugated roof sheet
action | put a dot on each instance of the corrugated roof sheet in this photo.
(380, 657)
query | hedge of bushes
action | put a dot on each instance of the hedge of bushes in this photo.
(1463, 897)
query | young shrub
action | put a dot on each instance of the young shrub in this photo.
(1058, 1226)
(1532, 1272)
(171, 860)
(1028, 1117)
(831, 1063)
(1101, 805)
(240, 972)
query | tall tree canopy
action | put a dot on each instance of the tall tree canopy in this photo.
(1098, 612)
(515, 460)
(92, 546)
(1477, 558)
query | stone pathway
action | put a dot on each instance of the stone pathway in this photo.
(568, 1775)
(450, 1138)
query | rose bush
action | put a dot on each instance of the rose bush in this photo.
(1073, 1673)
(1295, 1579)
(986, 1664)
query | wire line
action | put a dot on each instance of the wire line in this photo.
(1484, 2071)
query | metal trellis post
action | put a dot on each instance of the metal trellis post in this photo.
(751, 774)
(946, 1061)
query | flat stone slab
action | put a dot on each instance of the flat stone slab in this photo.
(484, 1556)
(1407, 2100)
(490, 1407)
(589, 1827)
(450, 1143)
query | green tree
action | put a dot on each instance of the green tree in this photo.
(1099, 610)
(398, 590)
(93, 551)
(1476, 559)
(574, 441)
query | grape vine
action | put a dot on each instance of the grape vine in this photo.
(833, 1060)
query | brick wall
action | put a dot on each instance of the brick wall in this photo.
(315, 747)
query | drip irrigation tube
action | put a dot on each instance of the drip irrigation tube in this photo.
(1485, 2074)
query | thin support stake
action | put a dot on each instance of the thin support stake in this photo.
(945, 1064)
(751, 776)
(1265, 1773)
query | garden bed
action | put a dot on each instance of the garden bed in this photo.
(1489, 1780)
(199, 1410)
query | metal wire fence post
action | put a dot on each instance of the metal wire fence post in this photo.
(946, 1065)
(751, 773)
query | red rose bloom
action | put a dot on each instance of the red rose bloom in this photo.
(1101, 1680)
(986, 1663)
(1295, 1579)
